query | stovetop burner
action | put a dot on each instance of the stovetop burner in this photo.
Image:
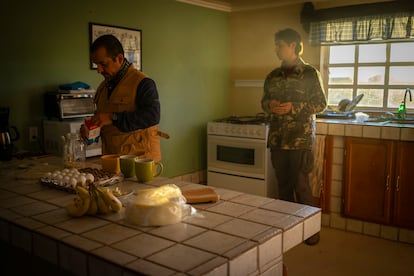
(259, 119)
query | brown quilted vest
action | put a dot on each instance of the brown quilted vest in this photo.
(123, 99)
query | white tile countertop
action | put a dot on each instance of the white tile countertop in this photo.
(241, 234)
(377, 130)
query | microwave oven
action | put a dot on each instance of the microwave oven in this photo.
(53, 130)
(69, 104)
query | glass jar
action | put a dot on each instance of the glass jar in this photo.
(74, 150)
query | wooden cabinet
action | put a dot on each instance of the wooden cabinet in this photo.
(368, 166)
(403, 214)
(376, 181)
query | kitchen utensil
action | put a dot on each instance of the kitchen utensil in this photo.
(354, 102)
(342, 105)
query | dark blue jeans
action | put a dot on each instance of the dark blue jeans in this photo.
(292, 168)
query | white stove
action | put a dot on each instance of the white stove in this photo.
(238, 157)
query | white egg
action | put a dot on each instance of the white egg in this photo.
(59, 177)
(66, 170)
(89, 177)
(73, 182)
(48, 174)
(82, 180)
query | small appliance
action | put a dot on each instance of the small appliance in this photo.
(55, 130)
(8, 134)
(64, 104)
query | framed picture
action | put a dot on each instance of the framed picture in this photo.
(129, 38)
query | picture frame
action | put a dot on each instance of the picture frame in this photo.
(130, 39)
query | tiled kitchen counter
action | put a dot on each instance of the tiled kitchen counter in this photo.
(381, 130)
(242, 234)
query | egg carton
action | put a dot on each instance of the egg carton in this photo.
(67, 179)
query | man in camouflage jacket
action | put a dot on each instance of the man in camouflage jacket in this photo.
(293, 94)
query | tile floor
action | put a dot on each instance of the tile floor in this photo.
(342, 253)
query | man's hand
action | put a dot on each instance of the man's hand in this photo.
(280, 108)
(102, 119)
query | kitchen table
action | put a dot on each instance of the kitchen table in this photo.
(241, 234)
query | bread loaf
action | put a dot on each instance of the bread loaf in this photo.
(201, 195)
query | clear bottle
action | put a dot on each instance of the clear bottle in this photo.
(74, 150)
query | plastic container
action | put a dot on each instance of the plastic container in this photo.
(74, 150)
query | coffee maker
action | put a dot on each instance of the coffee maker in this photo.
(8, 134)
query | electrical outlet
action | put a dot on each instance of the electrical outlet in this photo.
(33, 135)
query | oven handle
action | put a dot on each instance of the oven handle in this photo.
(232, 139)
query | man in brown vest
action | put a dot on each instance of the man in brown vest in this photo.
(127, 103)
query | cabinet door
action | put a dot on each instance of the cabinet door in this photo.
(404, 186)
(367, 183)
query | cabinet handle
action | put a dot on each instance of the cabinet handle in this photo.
(397, 187)
(387, 184)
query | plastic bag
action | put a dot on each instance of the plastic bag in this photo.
(158, 206)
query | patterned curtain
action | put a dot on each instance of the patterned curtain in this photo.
(362, 29)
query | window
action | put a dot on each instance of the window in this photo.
(381, 71)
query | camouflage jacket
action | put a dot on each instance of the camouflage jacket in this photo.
(303, 87)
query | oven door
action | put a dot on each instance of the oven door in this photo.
(236, 156)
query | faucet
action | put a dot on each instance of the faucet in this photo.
(402, 110)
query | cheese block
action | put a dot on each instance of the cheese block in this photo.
(140, 213)
(201, 195)
(156, 207)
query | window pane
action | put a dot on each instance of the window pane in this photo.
(371, 75)
(396, 96)
(342, 54)
(372, 53)
(372, 97)
(335, 95)
(402, 52)
(401, 75)
(343, 75)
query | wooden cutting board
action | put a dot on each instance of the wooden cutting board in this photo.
(201, 195)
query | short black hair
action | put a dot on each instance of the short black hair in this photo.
(289, 36)
(112, 45)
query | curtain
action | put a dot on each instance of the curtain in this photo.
(361, 29)
(316, 177)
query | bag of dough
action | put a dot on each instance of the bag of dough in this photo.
(157, 206)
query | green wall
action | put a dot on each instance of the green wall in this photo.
(185, 49)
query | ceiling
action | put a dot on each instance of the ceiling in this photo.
(243, 5)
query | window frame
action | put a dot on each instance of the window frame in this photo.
(324, 59)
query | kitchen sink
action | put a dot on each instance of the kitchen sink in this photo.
(403, 121)
(377, 120)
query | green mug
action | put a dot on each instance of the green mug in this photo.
(146, 169)
(127, 163)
